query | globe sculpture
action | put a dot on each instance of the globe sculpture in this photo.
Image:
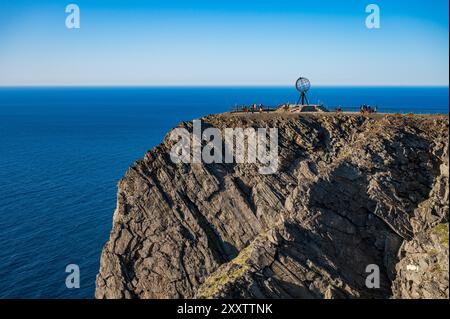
(302, 85)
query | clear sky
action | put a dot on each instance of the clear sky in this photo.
(224, 42)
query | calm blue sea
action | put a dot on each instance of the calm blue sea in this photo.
(63, 150)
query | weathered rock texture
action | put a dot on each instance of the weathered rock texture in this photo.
(350, 191)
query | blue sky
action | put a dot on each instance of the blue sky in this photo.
(178, 42)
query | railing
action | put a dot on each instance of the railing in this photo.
(356, 109)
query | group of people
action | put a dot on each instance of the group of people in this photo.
(283, 106)
(368, 109)
(364, 108)
(253, 108)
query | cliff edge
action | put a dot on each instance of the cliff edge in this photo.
(352, 194)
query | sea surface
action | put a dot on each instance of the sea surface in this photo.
(63, 150)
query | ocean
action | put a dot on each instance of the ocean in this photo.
(63, 150)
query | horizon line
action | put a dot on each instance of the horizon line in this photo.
(213, 85)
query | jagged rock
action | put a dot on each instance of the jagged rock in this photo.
(350, 191)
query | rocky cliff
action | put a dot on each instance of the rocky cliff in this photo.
(351, 191)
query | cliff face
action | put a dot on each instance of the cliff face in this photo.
(351, 191)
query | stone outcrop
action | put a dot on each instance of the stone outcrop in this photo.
(350, 191)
